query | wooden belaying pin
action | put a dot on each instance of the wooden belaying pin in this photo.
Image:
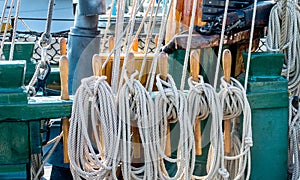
(227, 60)
(63, 47)
(163, 67)
(64, 71)
(111, 43)
(135, 45)
(97, 70)
(130, 69)
(97, 65)
(195, 70)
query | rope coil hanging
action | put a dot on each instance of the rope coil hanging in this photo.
(135, 107)
(234, 103)
(171, 103)
(289, 43)
(87, 158)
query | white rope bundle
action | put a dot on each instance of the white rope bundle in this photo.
(294, 137)
(291, 68)
(234, 103)
(135, 104)
(203, 101)
(171, 103)
(88, 160)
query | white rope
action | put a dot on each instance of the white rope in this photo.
(291, 68)
(12, 46)
(150, 29)
(189, 40)
(135, 104)
(221, 43)
(3, 12)
(234, 103)
(203, 101)
(6, 27)
(250, 45)
(171, 104)
(107, 26)
(294, 138)
(151, 77)
(37, 175)
(87, 158)
(117, 51)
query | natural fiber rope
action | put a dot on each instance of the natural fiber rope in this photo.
(221, 43)
(150, 30)
(291, 68)
(47, 157)
(107, 26)
(135, 104)
(171, 103)
(162, 30)
(250, 45)
(234, 103)
(203, 101)
(87, 158)
(117, 51)
(294, 138)
(12, 46)
(189, 40)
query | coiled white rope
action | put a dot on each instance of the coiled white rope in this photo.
(203, 101)
(135, 104)
(171, 103)
(234, 103)
(294, 138)
(291, 68)
(88, 160)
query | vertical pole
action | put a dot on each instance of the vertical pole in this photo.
(227, 60)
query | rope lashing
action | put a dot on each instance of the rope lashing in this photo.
(234, 103)
(135, 106)
(46, 38)
(202, 102)
(171, 103)
(87, 160)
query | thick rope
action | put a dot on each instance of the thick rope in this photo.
(294, 138)
(107, 26)
(12, 46)
(291, 68)
(171, 103)
(162, 30)
(37, 175)
(135, 104)
(88, 158)
(117, 51)
(250, 45)
(188, 48)
(221, 43)
(202, 102)
(234, 103)
(150, 29)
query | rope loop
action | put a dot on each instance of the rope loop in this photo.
(249, 141)
(45, 40)
(168, 91)
(224, 173)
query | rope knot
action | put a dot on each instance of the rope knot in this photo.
(86, 84)
(248, 141)
(224, 173)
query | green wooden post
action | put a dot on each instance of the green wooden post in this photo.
(268, 97)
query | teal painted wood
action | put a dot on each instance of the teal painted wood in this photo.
(17, 171)
(268, 98)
